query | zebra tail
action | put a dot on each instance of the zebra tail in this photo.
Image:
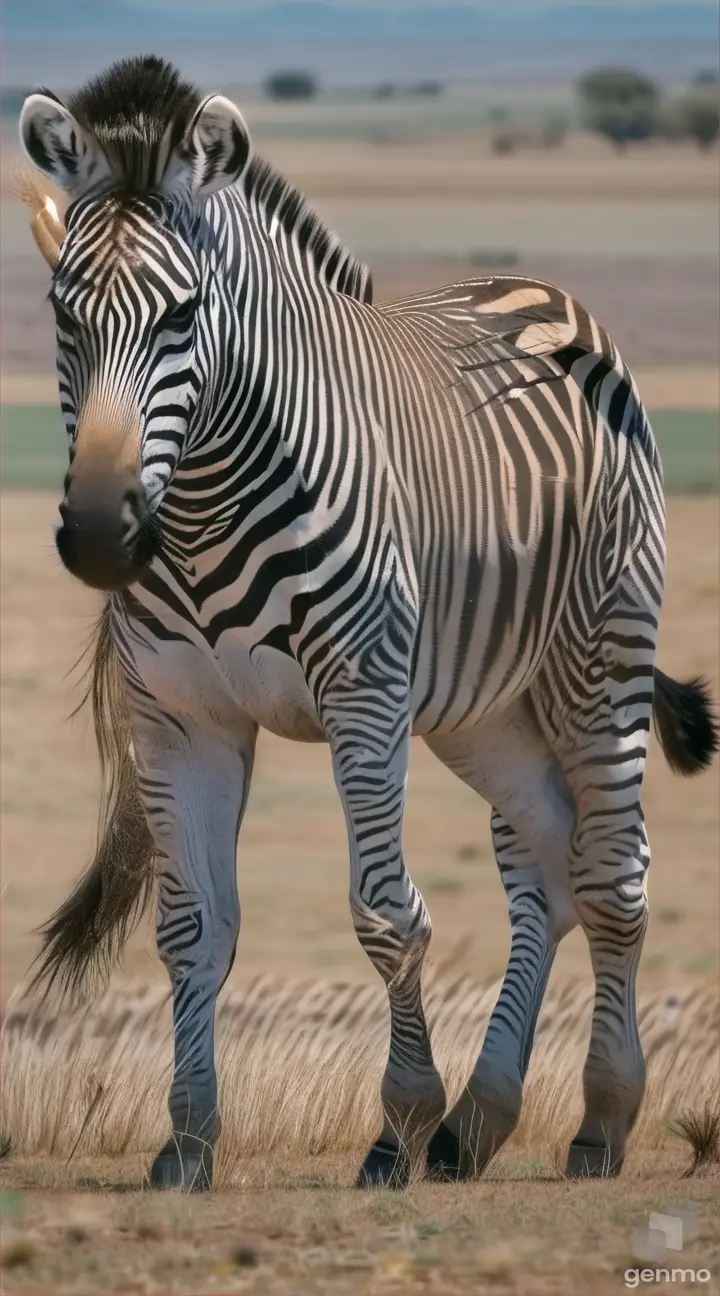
(685, 722)
(86, 935)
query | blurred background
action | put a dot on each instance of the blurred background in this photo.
(576, 142)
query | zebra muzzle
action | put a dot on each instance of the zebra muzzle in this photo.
(107, 536)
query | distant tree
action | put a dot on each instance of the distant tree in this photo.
(503, 142)
(385, 90)
(671, 123)
(291, 85)
(621, 104)
(553, 132)
(699, 116)
(428, 89)
(706, 77)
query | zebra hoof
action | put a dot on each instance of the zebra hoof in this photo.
(385, 1166)
(592, 1161)
(189, 1168)
(444, 1162)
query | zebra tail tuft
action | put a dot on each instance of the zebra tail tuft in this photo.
(86, 935)
(686, 723)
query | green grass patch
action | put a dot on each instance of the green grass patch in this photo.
(34, 448)
(689, 442)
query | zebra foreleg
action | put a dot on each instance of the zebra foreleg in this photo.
(392, 925)
(510, 762)
(194, 781)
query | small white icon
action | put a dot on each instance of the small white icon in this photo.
(664, 1233)
(668, 1229)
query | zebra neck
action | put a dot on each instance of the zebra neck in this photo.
(262, 421)
(267, 353)
(254, 439)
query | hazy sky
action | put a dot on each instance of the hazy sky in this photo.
(233, 42)
(504, 5)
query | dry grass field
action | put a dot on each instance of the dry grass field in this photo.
(300, 1067)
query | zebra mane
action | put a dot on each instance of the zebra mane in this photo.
(129, 109)
(335, 264)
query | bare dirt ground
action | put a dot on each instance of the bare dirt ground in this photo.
(89, 1233)
(292, 866)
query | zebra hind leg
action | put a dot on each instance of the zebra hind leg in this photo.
(609, 859)
(510, 762)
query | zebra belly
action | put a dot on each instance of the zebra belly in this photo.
(271, 687)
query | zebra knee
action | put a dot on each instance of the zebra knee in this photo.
(192, 939)
(395, 940)
(608, 878)
(613, 915)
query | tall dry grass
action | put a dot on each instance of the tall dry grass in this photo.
(300, 1067)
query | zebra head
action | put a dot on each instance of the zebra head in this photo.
(137, 152)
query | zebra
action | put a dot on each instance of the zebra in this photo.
(351, 524)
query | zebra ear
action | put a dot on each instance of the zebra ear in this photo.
(58, 147)
(219, 144)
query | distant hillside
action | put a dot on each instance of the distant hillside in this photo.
(59, 41)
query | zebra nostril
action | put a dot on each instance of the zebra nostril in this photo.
(129, 515)
(139, 537)
(131, 511)
(134, 501)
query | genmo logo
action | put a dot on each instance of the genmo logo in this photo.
(664, 1233)
(633, 1277)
